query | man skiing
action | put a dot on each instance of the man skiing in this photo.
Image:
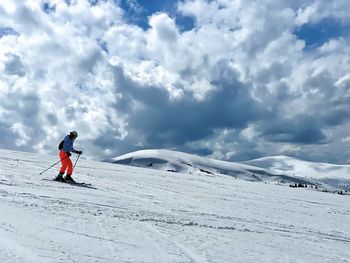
(66, 147)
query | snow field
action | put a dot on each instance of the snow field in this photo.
(143, 215)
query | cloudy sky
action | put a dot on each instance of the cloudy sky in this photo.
(228, 79)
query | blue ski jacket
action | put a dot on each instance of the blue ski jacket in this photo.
(68, 145)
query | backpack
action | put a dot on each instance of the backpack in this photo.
(60, 146)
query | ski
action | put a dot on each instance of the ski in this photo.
(74, 183)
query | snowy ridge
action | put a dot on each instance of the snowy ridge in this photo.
(141, 215)
(337, 175)
(279, 168)
(168, 160)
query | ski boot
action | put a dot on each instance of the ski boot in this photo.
(59, 177)
(69, 178)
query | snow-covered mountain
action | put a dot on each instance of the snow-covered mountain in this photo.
(277, 168)
(324, 172)
(174, 161)
(132, 214)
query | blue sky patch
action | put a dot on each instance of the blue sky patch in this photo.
(6, 31)
(138, 11)
(103, 45)
(48, 7)
(93, 2)
(69, 2)
(316, 34)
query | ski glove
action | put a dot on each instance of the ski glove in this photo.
(69, 154)
(79, 152)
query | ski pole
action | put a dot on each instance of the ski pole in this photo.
(53, 165)
(76, 161)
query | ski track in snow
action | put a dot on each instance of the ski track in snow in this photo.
(139, 215)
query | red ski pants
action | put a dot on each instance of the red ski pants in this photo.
(66, 163)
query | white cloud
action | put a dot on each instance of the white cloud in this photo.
(317, 10)
(22, 132)
(343, 81)
(85, 68)
(289, 149)
(249, 133)
(346, 140)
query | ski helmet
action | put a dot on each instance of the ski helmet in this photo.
(73, 134)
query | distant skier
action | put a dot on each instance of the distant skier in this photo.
(66, 147)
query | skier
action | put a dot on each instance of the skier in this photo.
(66, 147)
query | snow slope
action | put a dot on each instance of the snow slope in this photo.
(168, 160)
(324, 172)
(141, 215)
(278, 169)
